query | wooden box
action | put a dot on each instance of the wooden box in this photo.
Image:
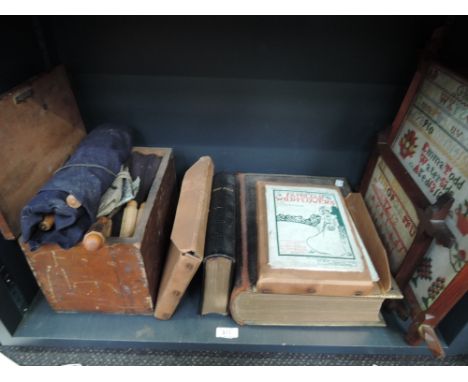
(40, 127)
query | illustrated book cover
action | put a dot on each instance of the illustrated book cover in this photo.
(307, 242)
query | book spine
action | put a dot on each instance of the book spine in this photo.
(221, 230)
(241, 276)
(220, 243)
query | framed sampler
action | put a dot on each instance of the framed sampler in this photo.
(395, 216)
(416, 188)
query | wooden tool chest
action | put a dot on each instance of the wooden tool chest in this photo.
(40, 128)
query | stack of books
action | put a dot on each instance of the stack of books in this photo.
(306, 253)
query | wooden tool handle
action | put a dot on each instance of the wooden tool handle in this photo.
(96, 236)
(72, 201)
(141, 209)
(129, 219)
(47, 223)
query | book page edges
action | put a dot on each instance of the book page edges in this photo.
(217, 276)
(251, 308)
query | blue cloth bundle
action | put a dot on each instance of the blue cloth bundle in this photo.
(88, 173)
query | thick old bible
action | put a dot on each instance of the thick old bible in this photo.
(250, 305)
(218, 263)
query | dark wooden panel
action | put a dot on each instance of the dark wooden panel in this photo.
(39, 128)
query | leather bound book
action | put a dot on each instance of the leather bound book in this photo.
(187, 245)
(252, 306)
(220, 245)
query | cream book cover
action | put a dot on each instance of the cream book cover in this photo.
(308, 228)
(308, 242)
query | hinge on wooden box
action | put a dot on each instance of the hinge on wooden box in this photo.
(22, 95)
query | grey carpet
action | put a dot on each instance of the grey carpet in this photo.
(51, 356)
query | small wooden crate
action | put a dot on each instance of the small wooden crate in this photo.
(122, 276)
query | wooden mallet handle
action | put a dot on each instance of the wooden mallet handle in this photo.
(72, 201)
(141, 209)
(96, 236)
(47, 223)
(129, 219)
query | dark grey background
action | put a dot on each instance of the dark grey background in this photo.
(299, 95)
(302, 95)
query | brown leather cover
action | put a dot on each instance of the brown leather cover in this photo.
(295, 281)
(187, 238)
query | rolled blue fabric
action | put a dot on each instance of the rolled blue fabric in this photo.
(88, 173)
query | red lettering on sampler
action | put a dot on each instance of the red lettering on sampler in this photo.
(448, 168)
(397, 243)
(386, 205)
(425, 147)
(406, 221)
(409, 225)
(443, 182)
(423, 159)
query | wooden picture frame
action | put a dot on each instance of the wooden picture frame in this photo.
(432, 196)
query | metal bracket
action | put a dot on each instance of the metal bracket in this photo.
(22, 95)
